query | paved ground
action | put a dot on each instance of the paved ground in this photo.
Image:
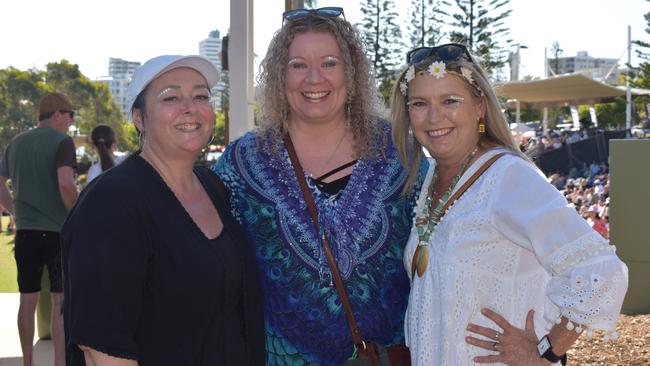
(10, 354)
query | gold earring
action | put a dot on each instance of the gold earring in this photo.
(481, 125)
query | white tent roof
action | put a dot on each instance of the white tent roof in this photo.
(574, 89)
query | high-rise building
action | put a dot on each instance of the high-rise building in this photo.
(118, 79)
(596, 68)
(210, 48)
(118, 67)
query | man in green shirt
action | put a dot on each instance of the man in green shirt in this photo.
(39, 163)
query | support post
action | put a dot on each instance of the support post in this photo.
(242, 98)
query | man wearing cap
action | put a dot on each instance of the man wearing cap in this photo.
(39, 163)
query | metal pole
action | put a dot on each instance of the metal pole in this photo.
(240, 52)
(293, 4)
(545, 118)
(628, 107)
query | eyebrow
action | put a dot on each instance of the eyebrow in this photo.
(176, 87)
(296, 58)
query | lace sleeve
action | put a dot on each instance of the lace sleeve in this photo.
(588, 281)
(587, 286)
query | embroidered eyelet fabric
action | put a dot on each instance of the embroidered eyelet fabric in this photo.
(510, 243)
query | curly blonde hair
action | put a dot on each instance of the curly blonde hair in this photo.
(362, 98)
(497, 132)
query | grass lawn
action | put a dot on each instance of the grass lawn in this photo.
(7, 262)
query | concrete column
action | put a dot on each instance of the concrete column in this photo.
(240, 55)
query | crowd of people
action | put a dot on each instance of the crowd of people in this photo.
(587, 189)
(323, 237)
(550, 140)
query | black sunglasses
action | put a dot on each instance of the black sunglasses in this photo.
(445, 52)
(70, 112)
(327, 12)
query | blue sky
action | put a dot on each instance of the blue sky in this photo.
(35, 32)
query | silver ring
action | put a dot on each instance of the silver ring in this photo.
(497, 335)
(494, 345)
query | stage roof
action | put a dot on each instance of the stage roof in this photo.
(563, 90)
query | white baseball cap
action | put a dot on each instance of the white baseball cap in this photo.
(151, 69)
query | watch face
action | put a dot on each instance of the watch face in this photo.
(543, 345)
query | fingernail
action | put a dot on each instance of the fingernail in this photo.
(483, 311)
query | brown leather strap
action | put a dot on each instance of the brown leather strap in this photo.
(469, 183)
(457, 195)
(336, 275)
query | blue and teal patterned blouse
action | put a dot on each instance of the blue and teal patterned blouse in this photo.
(367, 224)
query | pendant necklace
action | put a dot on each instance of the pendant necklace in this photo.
(428, 219)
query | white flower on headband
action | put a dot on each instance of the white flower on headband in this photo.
(410, 74)
(403, 87)
(437, 69)
(467, 74)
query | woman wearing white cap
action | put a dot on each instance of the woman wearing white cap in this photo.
(164, 276)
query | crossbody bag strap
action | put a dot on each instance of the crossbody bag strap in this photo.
(336, 275)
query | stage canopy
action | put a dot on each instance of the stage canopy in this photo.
(564, 90)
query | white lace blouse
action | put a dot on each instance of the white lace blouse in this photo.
(510, 243)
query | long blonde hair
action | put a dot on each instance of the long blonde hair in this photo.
(362, 101)
(497, 132)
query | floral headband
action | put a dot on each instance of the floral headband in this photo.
(438, 69)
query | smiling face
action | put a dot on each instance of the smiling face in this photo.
(179, 117)
(315, 81)
(444, 116)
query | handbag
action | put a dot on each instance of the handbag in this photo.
(368, 353)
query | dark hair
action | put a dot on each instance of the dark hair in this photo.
(139, 102)
(103, 137)
(45, 116)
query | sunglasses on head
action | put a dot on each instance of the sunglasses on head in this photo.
(327, 12)
(445, 52)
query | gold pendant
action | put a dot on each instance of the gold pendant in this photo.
(420, 260)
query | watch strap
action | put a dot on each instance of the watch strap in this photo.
(551, 356)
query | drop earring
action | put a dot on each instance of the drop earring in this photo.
(481, 126)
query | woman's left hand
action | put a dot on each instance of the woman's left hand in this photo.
(514, 346)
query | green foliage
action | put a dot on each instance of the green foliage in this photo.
(219, 129)
(425, 26)
(641, 50)
(8, 272)
(480, 24)
(611, 115)
(383, 39)
(641, 75)
(21, 91)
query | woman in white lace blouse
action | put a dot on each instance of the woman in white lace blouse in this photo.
(509, 273)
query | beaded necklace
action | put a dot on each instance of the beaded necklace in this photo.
(428, 219)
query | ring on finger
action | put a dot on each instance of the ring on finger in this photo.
(497, 335)
(494, 345)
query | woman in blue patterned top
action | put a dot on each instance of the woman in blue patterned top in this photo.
(318, 89)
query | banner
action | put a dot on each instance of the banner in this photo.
(576, 117)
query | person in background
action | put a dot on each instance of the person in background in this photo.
(157, 270)
(596, 222)
(104, 142)
(318, 95)
(40, 165)
(509, 273)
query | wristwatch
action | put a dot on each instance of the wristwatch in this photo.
(545, 350)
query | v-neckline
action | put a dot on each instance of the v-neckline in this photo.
(187, 215)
